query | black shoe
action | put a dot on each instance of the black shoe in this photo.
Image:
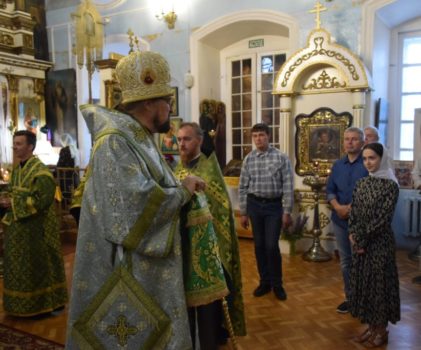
(40, 316)
(280, 293)
(57, 311)
(343, 308)
(261, 290)
(223, 336)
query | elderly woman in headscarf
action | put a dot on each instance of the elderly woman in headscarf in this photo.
(68, 158)
(374, 276)
(69, 154)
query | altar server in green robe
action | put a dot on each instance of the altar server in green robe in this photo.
(203, 282)
(127, 289)
(34, 278)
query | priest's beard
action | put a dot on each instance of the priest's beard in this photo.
(187, 158)
(184, 158)
(162, 128)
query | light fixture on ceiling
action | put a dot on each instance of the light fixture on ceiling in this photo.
(170, 18)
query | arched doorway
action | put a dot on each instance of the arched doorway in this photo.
(228, 41)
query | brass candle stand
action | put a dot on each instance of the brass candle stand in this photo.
(316, 252)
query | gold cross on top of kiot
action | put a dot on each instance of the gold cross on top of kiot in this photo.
(131, 39)
(317, 9)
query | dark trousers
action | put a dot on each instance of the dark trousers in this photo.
(345, 254)
(266, 223)
(208, 319)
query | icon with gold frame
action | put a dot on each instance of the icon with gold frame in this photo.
(168, 141)
(319, 140)
(174, 101)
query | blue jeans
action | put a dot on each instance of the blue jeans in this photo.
(266, 222)
(345, 254)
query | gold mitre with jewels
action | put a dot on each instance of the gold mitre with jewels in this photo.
(142, 76)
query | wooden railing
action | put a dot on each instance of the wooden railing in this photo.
(67, 179)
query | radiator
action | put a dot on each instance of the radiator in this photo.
(412, 216)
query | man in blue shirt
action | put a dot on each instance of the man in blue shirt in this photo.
(345, 173)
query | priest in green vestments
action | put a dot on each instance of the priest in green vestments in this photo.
(127, 289)
(205, 299)
(34, 278)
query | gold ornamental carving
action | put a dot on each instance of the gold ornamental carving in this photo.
(324, 81)
(304, 207)
(39, 89)
(319, 50)
(28, 41)
(306, 196)
(112, 92)
(324, 220)
(6, 39)
(19, 21)
(305, 200)
(13, 82)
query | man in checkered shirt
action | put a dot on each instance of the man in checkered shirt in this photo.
(266, 199)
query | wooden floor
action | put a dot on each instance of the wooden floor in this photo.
(306, 321)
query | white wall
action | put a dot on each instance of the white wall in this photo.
(380, 75)
(209, 83)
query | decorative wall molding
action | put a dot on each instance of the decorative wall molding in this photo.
(106, 5)
(321, 51)
(23, 63)
(6, 39)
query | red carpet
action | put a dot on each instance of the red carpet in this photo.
(14, 339)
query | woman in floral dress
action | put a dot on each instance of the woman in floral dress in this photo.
(374, 276)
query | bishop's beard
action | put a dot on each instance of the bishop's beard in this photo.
(162, 128)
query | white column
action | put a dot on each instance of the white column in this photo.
(358, 106)
(285, 123)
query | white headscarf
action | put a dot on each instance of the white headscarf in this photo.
(384, 171)
(67, 140)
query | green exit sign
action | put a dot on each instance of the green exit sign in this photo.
(256, 43)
